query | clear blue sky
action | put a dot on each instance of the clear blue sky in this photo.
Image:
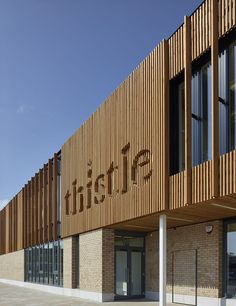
(59, 60)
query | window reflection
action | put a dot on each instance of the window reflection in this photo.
(231, 261)
(44, 263)
(232, 95)
(227, 99)
(177, 128)
(201, 115)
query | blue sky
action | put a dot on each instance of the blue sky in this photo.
(59, 60)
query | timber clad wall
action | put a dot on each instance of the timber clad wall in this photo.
(132, 120)
(136, 116)
(116, 166)
(27, 219)
(11, 226)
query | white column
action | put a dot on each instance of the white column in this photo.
(162, 260)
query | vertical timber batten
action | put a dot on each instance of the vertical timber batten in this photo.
(166, 123)
(40, 205)
(188, 112)
(215, 119)
(50, 200)
(36, 208)
(55, 201)
(33, 209)
(45, 208)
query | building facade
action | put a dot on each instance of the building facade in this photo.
(160, 151)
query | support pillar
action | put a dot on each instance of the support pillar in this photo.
(162, 259)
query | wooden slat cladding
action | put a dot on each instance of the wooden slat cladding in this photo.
(3, 231)
(176, 52)
(201, 29)
(126, 132)
(227, 173)
(41, 206)
(215, 98)
(202, 182)
(55, 197)
(45, 203)
(11, 225)
(25, 220)
(49, 200)
(116, 166)
(177, 186)
(201, 32)
(227, 19)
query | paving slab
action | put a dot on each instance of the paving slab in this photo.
(19, 296)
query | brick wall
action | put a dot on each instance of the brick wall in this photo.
(96, 258)
(12, 266)
(108, 257)
(70, 262)
(90, 258)
(187, 246)
(96, 261)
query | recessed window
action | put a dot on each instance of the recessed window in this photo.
(227, 99)
(177, 127)
(230, 258)
(201, 115)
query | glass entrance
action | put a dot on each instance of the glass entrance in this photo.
(129, 267)
(230, 259)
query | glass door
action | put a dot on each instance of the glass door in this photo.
(129, 267)
(230, 258)
(136, 272)
(122, 273)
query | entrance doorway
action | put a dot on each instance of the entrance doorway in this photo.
(129, 266)
(230, 259)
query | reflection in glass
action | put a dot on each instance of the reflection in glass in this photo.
(37, 264)
(121, 273)
(44, 263)
(177, 128)
(41, 272)
(227, 99)
(50, 263)
(129, 241)
(129, 265)
(136, 273)
(201, 115)
(232, 96)
(61, 262)
(231, 260)
(223, 104)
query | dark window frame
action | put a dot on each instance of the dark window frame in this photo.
(174, 132)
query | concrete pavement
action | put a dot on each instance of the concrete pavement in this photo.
(18, 296)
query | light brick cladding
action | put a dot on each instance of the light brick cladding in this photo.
(194, 260)
(12, 266)
(97, 261)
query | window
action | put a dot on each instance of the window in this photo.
(227, 99)
(232, 95)
(44, 263)
(201, 115)
(177, 128)
(230, 258)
